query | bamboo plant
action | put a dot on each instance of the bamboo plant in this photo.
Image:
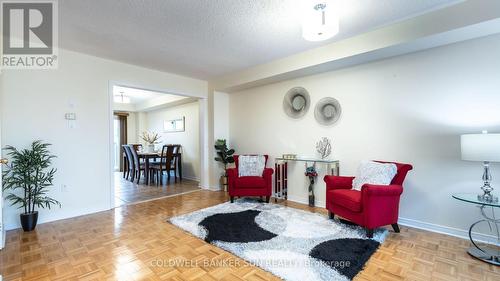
(30, 171)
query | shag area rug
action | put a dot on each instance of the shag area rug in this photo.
(290, 243)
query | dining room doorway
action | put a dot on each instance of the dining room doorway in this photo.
(156, 144)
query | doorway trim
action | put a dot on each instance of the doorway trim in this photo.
(203, 137)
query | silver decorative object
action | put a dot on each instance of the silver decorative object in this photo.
(296, 102)
(324, 147)
(327, 111)
(487, 196)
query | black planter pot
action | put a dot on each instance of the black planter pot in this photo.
(28, 220)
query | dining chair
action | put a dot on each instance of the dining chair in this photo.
(166, 163)
(138, 167)
(129, 161)
(137, 146)
(177, 160)
(124, 161)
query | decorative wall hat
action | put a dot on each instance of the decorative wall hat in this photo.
(327, 111)
(296, 102)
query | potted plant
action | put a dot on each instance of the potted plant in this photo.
(31, 173)
(224, 156)
(151, 139)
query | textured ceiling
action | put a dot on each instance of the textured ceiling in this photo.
(208, 38)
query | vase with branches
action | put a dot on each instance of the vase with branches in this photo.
(151, 138)
(224, 156)
(30, 172)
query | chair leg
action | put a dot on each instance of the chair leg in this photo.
(232, 199)
(369, 233)
(395, 226)
(331, 215)
(138, 176)
(268, 198)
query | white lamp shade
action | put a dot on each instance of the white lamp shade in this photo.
(480, 147)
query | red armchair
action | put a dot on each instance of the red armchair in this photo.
(249, 186)
(373, 206)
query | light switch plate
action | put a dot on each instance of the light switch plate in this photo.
(70, 116)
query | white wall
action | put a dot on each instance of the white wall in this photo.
(221, 131)
(410, 109)
(132, 133)
(33, 107)
(189, 139)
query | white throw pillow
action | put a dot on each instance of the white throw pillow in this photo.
(251, 165)
(374, 173)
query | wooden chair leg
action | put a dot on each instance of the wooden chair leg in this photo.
(268, 198)
(138, 176)
(232, 199)
(395, 226)
(331, 215)
(369, 233)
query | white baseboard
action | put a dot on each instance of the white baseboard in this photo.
(51, 217)
(456, 232)
(460, 233)
(300, 200)
(214, 188)
(191, 178)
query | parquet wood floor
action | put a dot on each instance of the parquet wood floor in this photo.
(134, 242)
(127, 192)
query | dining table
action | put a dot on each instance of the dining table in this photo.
(153, 155)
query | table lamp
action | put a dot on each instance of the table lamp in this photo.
(484, 148)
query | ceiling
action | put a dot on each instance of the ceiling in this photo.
(144, 100)
(137, 96)
(207, 38)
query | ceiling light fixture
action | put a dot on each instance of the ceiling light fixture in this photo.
(320, 21)
(121, 98)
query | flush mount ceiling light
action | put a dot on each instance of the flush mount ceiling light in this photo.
(320, 21)
(121, 98)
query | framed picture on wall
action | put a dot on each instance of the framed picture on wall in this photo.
(174, 125)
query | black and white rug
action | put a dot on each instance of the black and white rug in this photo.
(290, 243)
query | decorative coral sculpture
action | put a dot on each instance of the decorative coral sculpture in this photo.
(324, 147)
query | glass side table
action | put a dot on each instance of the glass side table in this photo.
(484, 253)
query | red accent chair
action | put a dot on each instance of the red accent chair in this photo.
(249, 186)
(373, 206)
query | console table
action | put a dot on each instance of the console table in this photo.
(281, 173)
(486, 254)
